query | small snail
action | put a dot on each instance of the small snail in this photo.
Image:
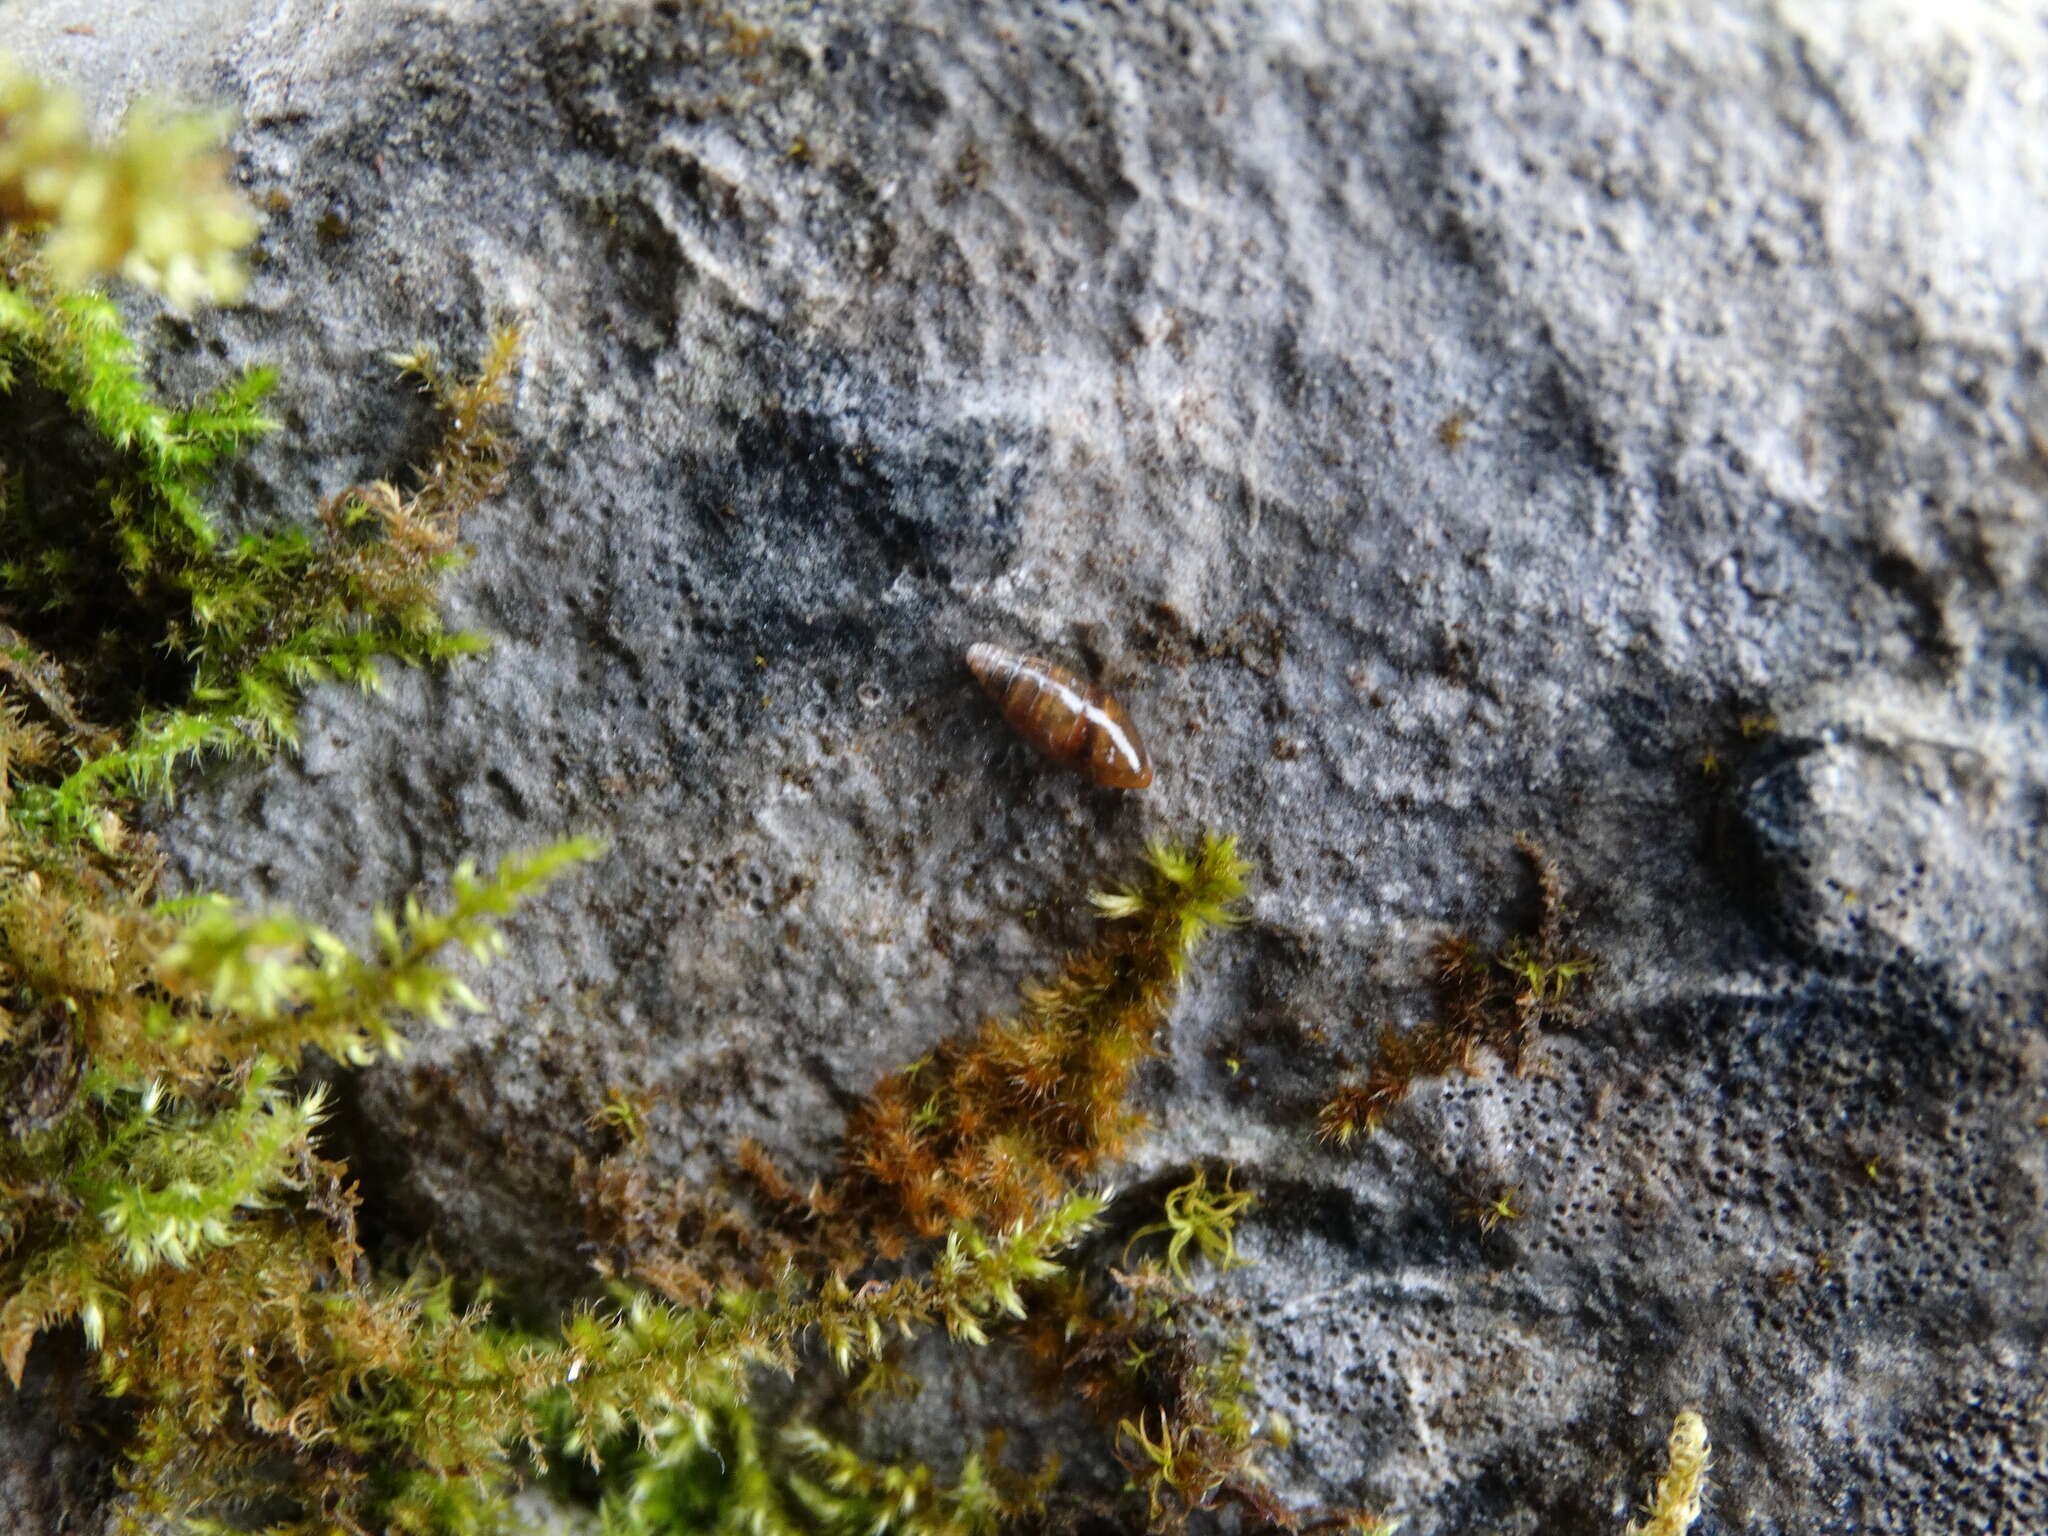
(1072, 722)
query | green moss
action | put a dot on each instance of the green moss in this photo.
(112, 569)
(1201, 1218)
(161, 1186)
(723, 1471)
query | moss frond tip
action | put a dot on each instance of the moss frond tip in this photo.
(1204, 1219)
(1213, 872)
(1351, 1110)
(1677, 1501)
(1191, 891)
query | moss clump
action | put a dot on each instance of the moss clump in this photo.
(989, 1125)
(160, 1186)
(119, 589)
(725, 1471)
(1500, 1001)
(987, 1130)
(1165, 1368)
(1200, 1218)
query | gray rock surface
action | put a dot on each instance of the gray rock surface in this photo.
(1438, 423)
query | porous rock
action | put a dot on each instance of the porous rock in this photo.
(1623, 425)
(1875, 820)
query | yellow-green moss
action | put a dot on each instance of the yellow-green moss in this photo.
(154, 206)
(1676, 1504)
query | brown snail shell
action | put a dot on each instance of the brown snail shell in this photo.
(1072, 722)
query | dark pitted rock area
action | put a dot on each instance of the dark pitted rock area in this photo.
(1624, 426)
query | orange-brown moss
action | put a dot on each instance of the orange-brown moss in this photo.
(1499, 1001)
(989, 1129)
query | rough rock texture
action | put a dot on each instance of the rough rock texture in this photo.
(1437, 423)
